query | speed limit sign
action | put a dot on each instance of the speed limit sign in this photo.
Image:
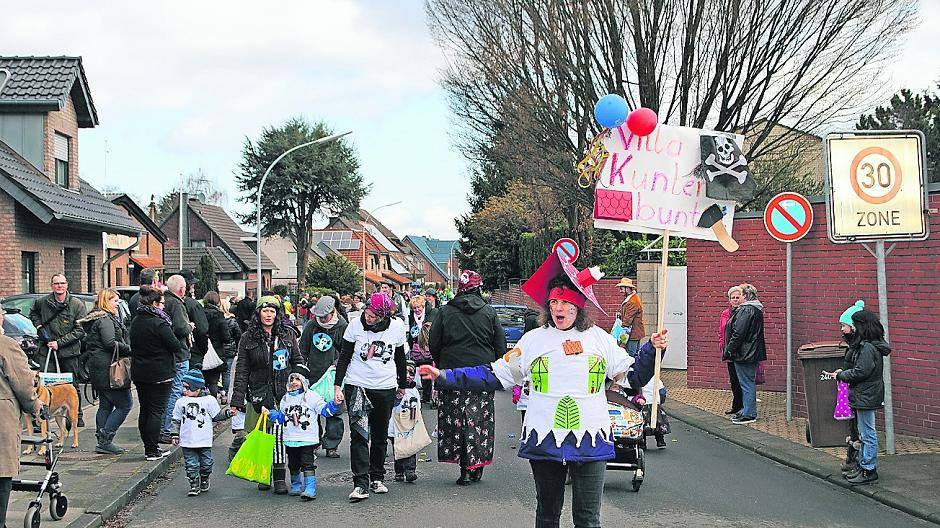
(876, 187)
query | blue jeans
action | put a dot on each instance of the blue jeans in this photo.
(869, 438)
(747, 377)
(113, 407)
(633, 347)
(176, 390)
(198, 461)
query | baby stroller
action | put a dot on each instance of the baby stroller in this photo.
(626, 428)
(50, 483)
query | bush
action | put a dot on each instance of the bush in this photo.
(621, 260)
(280, 289)
(336, 273)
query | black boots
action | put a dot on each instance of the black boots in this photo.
(279, 476)
(464, 479)
(476, 474)
(106, 445)
(864, 476)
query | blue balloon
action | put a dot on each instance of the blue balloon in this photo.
(611, 111)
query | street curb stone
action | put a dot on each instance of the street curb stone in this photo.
(805, 459)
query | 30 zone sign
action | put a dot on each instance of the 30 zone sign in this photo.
(876, 186)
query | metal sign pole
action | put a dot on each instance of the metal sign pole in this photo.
(789, 334)
(880, 256)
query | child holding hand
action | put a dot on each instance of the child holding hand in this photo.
(193, 415)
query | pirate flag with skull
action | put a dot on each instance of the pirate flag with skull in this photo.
(724, 169)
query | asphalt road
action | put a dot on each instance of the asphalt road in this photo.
(698, 480)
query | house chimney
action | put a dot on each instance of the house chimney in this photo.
(152, 208)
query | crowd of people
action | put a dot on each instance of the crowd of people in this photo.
(196, 361)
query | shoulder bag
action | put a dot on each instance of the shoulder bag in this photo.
(120, 370)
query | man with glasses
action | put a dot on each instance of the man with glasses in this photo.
(55, 317)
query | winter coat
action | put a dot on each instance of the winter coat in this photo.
(256, 380)
(220, 334)
(466, 332)
(176, 309)
(317, 355)
(103, 333)
(862, 369)
(17, 395)
(200, 346)
(722, 324)
(61, 325)
(631, 316)
(154, 349)
(744, 334)
(429, 315)
(235, 332)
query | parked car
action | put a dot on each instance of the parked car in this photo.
(126, 292)
(23, 302)
(512, 317)
(19, 328)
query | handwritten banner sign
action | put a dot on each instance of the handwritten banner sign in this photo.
(648, 184)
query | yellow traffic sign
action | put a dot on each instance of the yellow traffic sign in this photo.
(876, 186)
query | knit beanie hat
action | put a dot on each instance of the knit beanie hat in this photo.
(194, 379)
(846, 317)
(268, 301)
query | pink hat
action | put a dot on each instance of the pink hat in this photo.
(469, 279)
(537, 285)
(381, 304)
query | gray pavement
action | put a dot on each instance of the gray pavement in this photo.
(699, 480)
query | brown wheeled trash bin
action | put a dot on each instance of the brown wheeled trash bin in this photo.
(822, 430)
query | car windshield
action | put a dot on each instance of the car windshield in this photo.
(16, 324)
(24, 305)
(511, 315)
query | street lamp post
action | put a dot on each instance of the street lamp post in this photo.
(450, 264)
(326, 139)
(369, 217)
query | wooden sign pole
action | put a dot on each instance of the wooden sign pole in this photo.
(660, 325)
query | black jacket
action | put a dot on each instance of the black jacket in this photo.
(235, 331)
(154, 348)
(200, 346)
(744, 334)
(176, 309)
(256, 381)
(103, 332)
(862, 369)
(219, 332)
(466, 333)
(318, 355)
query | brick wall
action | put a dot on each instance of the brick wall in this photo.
(64, 122)
(827, 278)
(20, 231)
(198, 230)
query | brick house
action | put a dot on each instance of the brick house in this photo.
(826, 279)
(282, 253)
(125, 269)
(51, 221)
(209, 230)
(441, 253)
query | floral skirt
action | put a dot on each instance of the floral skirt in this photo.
(466, 426)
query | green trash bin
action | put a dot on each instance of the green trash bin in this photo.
(822, 430)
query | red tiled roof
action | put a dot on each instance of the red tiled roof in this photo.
(373, 277)
(146, 261)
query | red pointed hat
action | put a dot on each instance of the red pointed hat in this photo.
(537, 285)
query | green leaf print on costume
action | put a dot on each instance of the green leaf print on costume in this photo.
(567, 414)
(538, 375)
(597, 372)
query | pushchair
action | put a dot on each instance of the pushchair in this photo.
(626, 428)
(49, 485)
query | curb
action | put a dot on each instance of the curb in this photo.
(802, 458)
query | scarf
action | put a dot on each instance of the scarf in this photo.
(420, 320)
(332, 322)
(358, 406)
(157, 312)
(380, 326)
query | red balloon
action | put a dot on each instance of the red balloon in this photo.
(642, 121)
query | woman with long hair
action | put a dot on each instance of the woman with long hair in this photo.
(567, 362)
(106, 339)
(221, 338)
(862, 369)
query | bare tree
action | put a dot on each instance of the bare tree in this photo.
(524, 74)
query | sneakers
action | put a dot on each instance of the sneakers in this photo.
(157, 456)
(733, 411)
(741, 420)
(204, 484)
(331, 453)
(358, 494)
(193, 487)
(411, 476)
(864, 476)
(378, 487)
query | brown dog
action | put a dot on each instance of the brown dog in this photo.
(61, 401)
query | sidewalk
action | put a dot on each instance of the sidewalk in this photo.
(96, 486)
(908, 481)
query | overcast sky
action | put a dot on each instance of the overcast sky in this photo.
(179, 85)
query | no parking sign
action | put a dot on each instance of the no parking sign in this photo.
(788, 217)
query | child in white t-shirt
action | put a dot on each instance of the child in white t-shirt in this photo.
(300, 407)
(193, 416)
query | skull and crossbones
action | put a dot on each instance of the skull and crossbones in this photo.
(727, 160)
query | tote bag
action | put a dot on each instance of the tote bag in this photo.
(211, 360)
(120, 371)
(255, 457)
(410, 434)
(324, 386)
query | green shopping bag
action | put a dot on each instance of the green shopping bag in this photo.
(255, 457)
(324, 387)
